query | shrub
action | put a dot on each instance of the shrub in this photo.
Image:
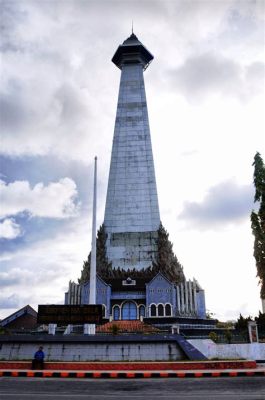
(114, 329)
(213, 336)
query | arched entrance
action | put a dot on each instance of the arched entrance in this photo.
(129, 310)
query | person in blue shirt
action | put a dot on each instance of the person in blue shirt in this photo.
(38, 361)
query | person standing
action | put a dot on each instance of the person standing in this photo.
(38, 361)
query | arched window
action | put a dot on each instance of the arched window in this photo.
(160, 310)
(141, 311)
(129, 310)
(153, 310)
(116, 313)
(168, 310)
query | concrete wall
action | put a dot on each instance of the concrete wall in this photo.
(94, 351)
(248, 351)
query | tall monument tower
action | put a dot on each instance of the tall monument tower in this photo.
(132, 213)
(132, 237)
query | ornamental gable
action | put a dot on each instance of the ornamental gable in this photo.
(159, 281)
(160, 290)
(102, 295)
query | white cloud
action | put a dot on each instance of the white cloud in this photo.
(211, 73)
(225, 203)
(10, 302)
(223, 263)
(39, 273)
(9, 229)
(56, 200)
(64, 63)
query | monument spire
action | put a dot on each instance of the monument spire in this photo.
(132, 214)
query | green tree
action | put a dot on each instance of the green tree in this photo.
(258, 221)
(242, 323)
(166, 261)
(228, 335)
(213, 336)
(115, 329)
(103, 265)
(261, 320)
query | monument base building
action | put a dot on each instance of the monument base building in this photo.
(138, 275)
(129, 299)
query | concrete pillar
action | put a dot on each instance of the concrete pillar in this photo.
(253, 332)
(175, 329)
(68, 329)
(52, 329)
(195, 296)
(89, 329)
(190, 297)
(186, 298)
(178, 299)
(182, 298)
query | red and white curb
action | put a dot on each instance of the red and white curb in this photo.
(129, 374)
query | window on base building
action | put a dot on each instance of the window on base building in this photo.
(116, 313)
(160, 310)
(153, 310)
(142, 311)
(168, 310)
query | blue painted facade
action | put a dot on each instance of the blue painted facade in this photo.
(201, 304)
(103, 294)
(159, 293)
(156, 298)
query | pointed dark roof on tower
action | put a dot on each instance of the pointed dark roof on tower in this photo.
(133, 39)
(132, 51)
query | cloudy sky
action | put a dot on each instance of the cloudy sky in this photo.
(205, 91)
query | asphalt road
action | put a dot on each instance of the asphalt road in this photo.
(246, 388)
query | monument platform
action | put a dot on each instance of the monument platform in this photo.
(90, 348)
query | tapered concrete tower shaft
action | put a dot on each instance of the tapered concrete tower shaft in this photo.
(132, 213)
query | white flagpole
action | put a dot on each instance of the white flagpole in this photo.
(92, 294)
(91, 328)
